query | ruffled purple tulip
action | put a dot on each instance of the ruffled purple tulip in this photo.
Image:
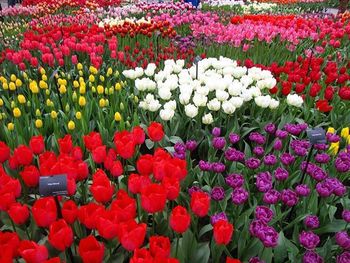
(281, 134)
(270, 128)
(346, 215)
(217, 217)
(216, 131)
(233, 155)
(256, 137)
(239, 196)
(252, 163)
(218, 167)
(302, 190)
(344, 257)
(204, 166)
(217, 193)
(219, 143)
(270, 159)
(289, 197)
(281, 174)
(258, 151)
(234, 138)
(287, 159)
(312, 257)
(179, 147)
(191, 145)
(309, 239)
(271, 197)
(343, 240)
(234, 180)
(312, 222)
(264, 182)
(263, 213)
(277, 145)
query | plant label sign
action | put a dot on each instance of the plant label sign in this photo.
(316, 135)
(53, 185)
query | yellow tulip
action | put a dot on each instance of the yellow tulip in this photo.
(110, 90)
(334, 148)
(63, 89)
(43, 84)
(75, 84)
(82, 89)
(53, 114)
(10, 126)
(331, 130)
(71, 125)
(17, 112)
(13, 77)
(109, 72)
(47, 92)
(44, 77)
(79, 66)
(1, 102)
(5, 86)
(102, 78)
(37, 112)
(12, 86)
(74, 96)
(18, 83)
(81, 80)
(33, 86)
(82, 101)
(100, 89)
(38, 123)
(81, 73)
(25, 76)
(42, 71)
(345, 132)
(118, 86)
(21, 99)
(93, 89)
(91, 78)
(60, 82)
(117, 116)
(78, 115)
(102, 103)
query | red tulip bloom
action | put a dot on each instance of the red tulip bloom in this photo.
(69, 211)
(132, 235)
(153, 198)
(344, 93)
(65, 144)
(88, 214)
(107, 224)
(172, 187)
(323, 106)
(179, 219)
(32, 252)
(4, 152)
(144, 164)
(124, 206)
(18, 213)
(101, 187)
(232, 260)
(223, 231)
(44, 211)
(200, 203)
(155, 131)
(53, 260)
(125, 144)
(141, 255)
(92, 140)
(159, 246)
(116, 169)
(9, 242)
(99, 154)
(60, 235)
(30, 175)
(36, 144)
(137, 182)
(138, 134)
(23, 155)
(90, 250)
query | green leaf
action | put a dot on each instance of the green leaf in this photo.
(149, 144)
(205, 229)
(332, 227)
(201, 254)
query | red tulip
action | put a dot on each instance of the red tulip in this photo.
(155, 131)
(159, 246)
(23, 155)
(99, 154)
(9, 242)
(323, 106)
(200, 203)
(88, 214)
(65, 144)
(32, 252)
(36, 144)
(90, 250)
(125, 144)
(232, 260)
(132, 235)
(139, 135)
(153, 198)
(60, 235)
(144, 164)
(30, 175)
(44, 211)
(344, 93)
(137, 182)
(69, 211)
(223, 231)
(179, 219)
(107, 224)
(18, 213)
(124, 206)
(141, 255)
(4, 152)
(101, 187)
(116, 169)
(92, 140)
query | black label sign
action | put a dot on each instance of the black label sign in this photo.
(53, 185)
(316, 135)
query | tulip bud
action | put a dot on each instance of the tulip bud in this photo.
(121, 106)
(74, 96)
(47, 92)
(53, 114)
(118, 86)
(71, 125)
(37, 113)
(38, 123)
(67, 108)
(10, 126)
(78, 115)
(110, 91)
(29, 103)
(136, 99)
(117, 116)
(17, 112)
(127, 124)
(13, 104)
(1, 102)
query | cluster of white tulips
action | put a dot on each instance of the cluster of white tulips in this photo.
(211, 86)
(116, 21)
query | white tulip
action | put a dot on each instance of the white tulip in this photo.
(184, 98)
(228, 107)
(191, 110)
(237, 101)
(239, 72)
(255, 91)
(214, 105)
(274, 104)
(207, 119)
(154, 105)
(200, 100)
(221, 95)
(166, 114)
(295, 100)
(170, 105)
(235, 88)
(263, 101)
(164, 93)
(246, 81)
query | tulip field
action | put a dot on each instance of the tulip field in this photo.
(171, 132)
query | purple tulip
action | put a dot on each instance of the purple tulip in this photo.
(289, 197)
(263, 213)
(252, 163)
(281, 174)
(257, 138)
(270, 128)
(346, 216)
(191, 145)
(270, 159)
(271, 197)
(216, 131)
(219, 143)
(309, 239)
(217, 193)
(344, 257)
(302, 190)
(258, 151)
(234, 180)
(312, 257)
(311, 222)
(217, 217)
(234, 138)
(264, 182)
(343, 240)
(239, 196)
